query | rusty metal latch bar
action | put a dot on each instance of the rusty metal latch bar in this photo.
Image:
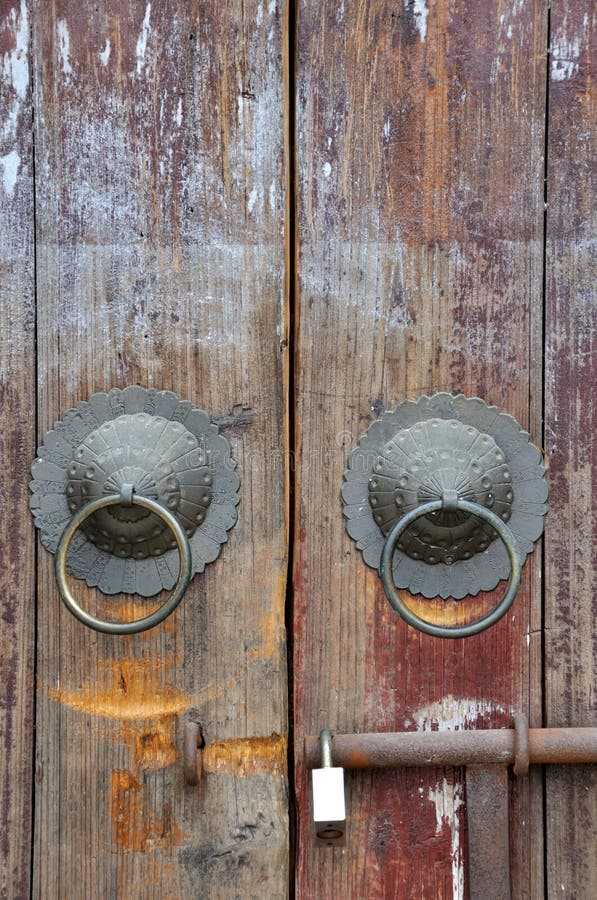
(486, 756)
(460, 748)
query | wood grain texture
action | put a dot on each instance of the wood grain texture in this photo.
(420, 131)
(570, 378)
(161, 210)
(17, 445)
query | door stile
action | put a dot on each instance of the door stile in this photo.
(570, 379)
(17, 447)
(420, 139)
(161, 216)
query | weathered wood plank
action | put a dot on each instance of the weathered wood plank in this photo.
(17, 445)
(161, 169)
(420, 205)
(570, 379)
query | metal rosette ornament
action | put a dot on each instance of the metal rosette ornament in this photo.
(170, 453)
(445, 446)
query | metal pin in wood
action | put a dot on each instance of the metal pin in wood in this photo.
(329, 810)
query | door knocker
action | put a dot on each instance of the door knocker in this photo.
(445, 496)
(134, 492)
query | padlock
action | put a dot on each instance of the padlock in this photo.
(329, 810)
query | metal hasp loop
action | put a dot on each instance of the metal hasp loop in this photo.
(329, 808)
(163, 611)
(325, 747)
(445, 496)
(450, 631)
(193, 744)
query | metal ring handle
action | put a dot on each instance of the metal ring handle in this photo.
(450, 631)
(162, 612)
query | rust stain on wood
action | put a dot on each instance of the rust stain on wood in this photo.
(243, 757)
(134, 827)
(123, 608)
(269, 634)
(452, 612)
(126, 689)
(155, 748)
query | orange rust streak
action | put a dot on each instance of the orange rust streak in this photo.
(130, 609)
(270, 632)
(451, 612)
(135, 828)
(125, 805)
(155, 750)
(126, 689)
(243, 757)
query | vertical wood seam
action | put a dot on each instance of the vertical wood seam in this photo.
(543, 441)
(290, 35)
(37, 439)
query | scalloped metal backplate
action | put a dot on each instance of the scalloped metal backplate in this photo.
(169, 450)
(445, 442)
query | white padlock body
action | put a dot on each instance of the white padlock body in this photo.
(328, 795)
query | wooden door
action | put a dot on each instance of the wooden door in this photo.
(438, 206)
(295, 215)
(146, 211)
